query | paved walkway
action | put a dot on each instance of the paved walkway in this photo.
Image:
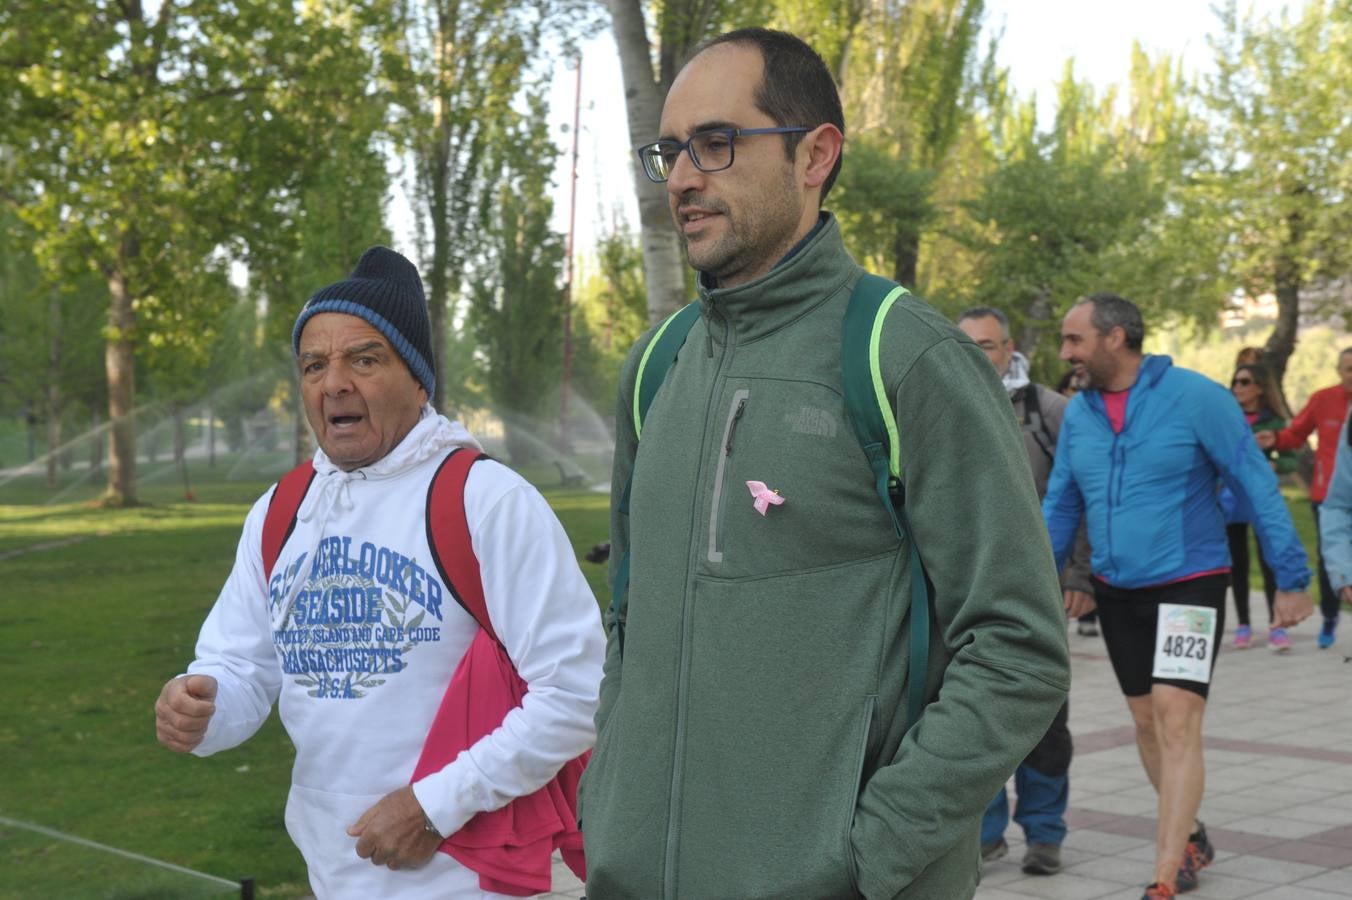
(1278, 802)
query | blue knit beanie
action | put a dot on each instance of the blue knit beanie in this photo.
(385, 290)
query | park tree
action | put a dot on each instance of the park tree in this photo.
(649, 64)
(1084, 205)
(49, 340)
(333, 212)
(465, 63)
(1277, 197)
(909, 79)
(149, 143)
(516, 297)
(610, 314)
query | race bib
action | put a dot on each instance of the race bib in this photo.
(1185, 642)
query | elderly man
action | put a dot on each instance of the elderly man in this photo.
(1141, 451)
(1042, 780)
(353, 631)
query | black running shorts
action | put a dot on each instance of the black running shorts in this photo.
(1129, 619)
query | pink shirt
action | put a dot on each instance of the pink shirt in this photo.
(1115, 403)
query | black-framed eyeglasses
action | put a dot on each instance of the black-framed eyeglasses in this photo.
(710, 151)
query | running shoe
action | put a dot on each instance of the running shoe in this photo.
(1326, 634)
(1042, 859)
(1278, 640)
(995, 850)
(1087, 629)
(1159, 891)
(1196, 856)
(1243, 637)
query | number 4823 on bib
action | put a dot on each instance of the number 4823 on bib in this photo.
(1185, 641)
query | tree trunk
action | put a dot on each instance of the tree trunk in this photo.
(53, 391)
(95, 438)
(211, 437)
(663, 263)
(30, 419)
(1286, 280)
(1282, 342)
(906, 255)
(439, 169)
(53, 431)
(120, 363)
(304, 449)
(180, 435)
(181, 447)
(1035, 320)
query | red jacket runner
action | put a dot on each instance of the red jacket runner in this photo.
(1325, 412)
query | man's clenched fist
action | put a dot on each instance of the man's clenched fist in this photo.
(183, 710)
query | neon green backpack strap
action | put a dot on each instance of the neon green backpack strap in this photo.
(652, 371)
(875, 425)
(658, 357)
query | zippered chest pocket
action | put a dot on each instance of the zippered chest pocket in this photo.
(789, 488)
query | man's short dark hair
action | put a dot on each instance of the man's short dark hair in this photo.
(1346, 351)
(987, 312)
(797, 87)
(1112, 311)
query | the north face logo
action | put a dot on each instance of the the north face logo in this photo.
(811, 420)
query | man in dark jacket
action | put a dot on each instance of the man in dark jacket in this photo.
(1042, 780)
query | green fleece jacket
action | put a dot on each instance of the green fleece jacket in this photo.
(751, 738)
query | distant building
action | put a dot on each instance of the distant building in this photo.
(1323, 303)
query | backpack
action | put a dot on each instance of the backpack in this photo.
(449, 538)
(875, 427)
(447, 531)
(1032, 415)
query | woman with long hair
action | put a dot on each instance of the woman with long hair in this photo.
(1249, 385)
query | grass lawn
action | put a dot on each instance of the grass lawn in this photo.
(99, 611)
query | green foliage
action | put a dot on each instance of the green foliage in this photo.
(609, 315)
(516, 302)
(465, 70)
(1281, 97)
(148, 149)
(909, 85)
(1273, 196)
(1086, 205)
(49, 331)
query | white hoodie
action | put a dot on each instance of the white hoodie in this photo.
(358, 637)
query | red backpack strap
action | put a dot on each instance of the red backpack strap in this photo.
(280, 520)
(448, 535)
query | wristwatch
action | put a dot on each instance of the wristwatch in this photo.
(429, 827)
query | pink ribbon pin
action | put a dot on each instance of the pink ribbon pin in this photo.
(765, 498)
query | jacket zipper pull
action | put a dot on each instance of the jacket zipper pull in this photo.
(732, 429)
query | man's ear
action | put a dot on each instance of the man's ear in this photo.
(821, 148)
(1116, 338)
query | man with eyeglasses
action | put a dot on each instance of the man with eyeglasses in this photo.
(753, 736)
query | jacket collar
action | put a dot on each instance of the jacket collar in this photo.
(1152, 369)
(433, 436)
(806, 277)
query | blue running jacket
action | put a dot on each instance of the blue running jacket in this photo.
(1150, 493)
